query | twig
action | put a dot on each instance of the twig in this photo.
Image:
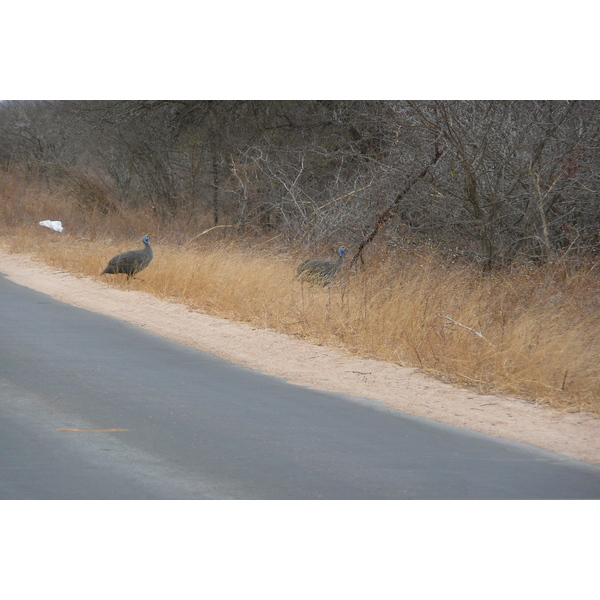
(564, 380)
(477, 333)
(344, 196)
(210, 229)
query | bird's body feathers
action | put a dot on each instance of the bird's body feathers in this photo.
(321, 272)
(131, 262)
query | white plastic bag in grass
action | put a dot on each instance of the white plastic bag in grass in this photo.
(54, 225)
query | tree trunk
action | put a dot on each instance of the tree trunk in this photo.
(215, 167)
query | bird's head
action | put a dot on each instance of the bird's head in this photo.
(342, 251)
(146, 239)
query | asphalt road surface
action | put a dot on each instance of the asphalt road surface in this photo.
(94, 408)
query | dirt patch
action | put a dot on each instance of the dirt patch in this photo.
(576, 435)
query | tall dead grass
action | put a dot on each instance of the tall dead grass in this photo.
(532, 332)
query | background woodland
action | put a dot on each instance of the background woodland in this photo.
(490, 182)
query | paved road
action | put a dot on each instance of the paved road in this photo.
(93, 408)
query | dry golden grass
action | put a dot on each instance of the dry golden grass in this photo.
(532, 332)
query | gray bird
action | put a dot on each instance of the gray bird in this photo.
(320, 272)
(132, 262)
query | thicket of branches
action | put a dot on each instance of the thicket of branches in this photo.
(495, 181)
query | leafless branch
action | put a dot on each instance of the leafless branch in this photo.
(477, 333)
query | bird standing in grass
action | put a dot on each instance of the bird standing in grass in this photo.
(321, 272)
(132, 262)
